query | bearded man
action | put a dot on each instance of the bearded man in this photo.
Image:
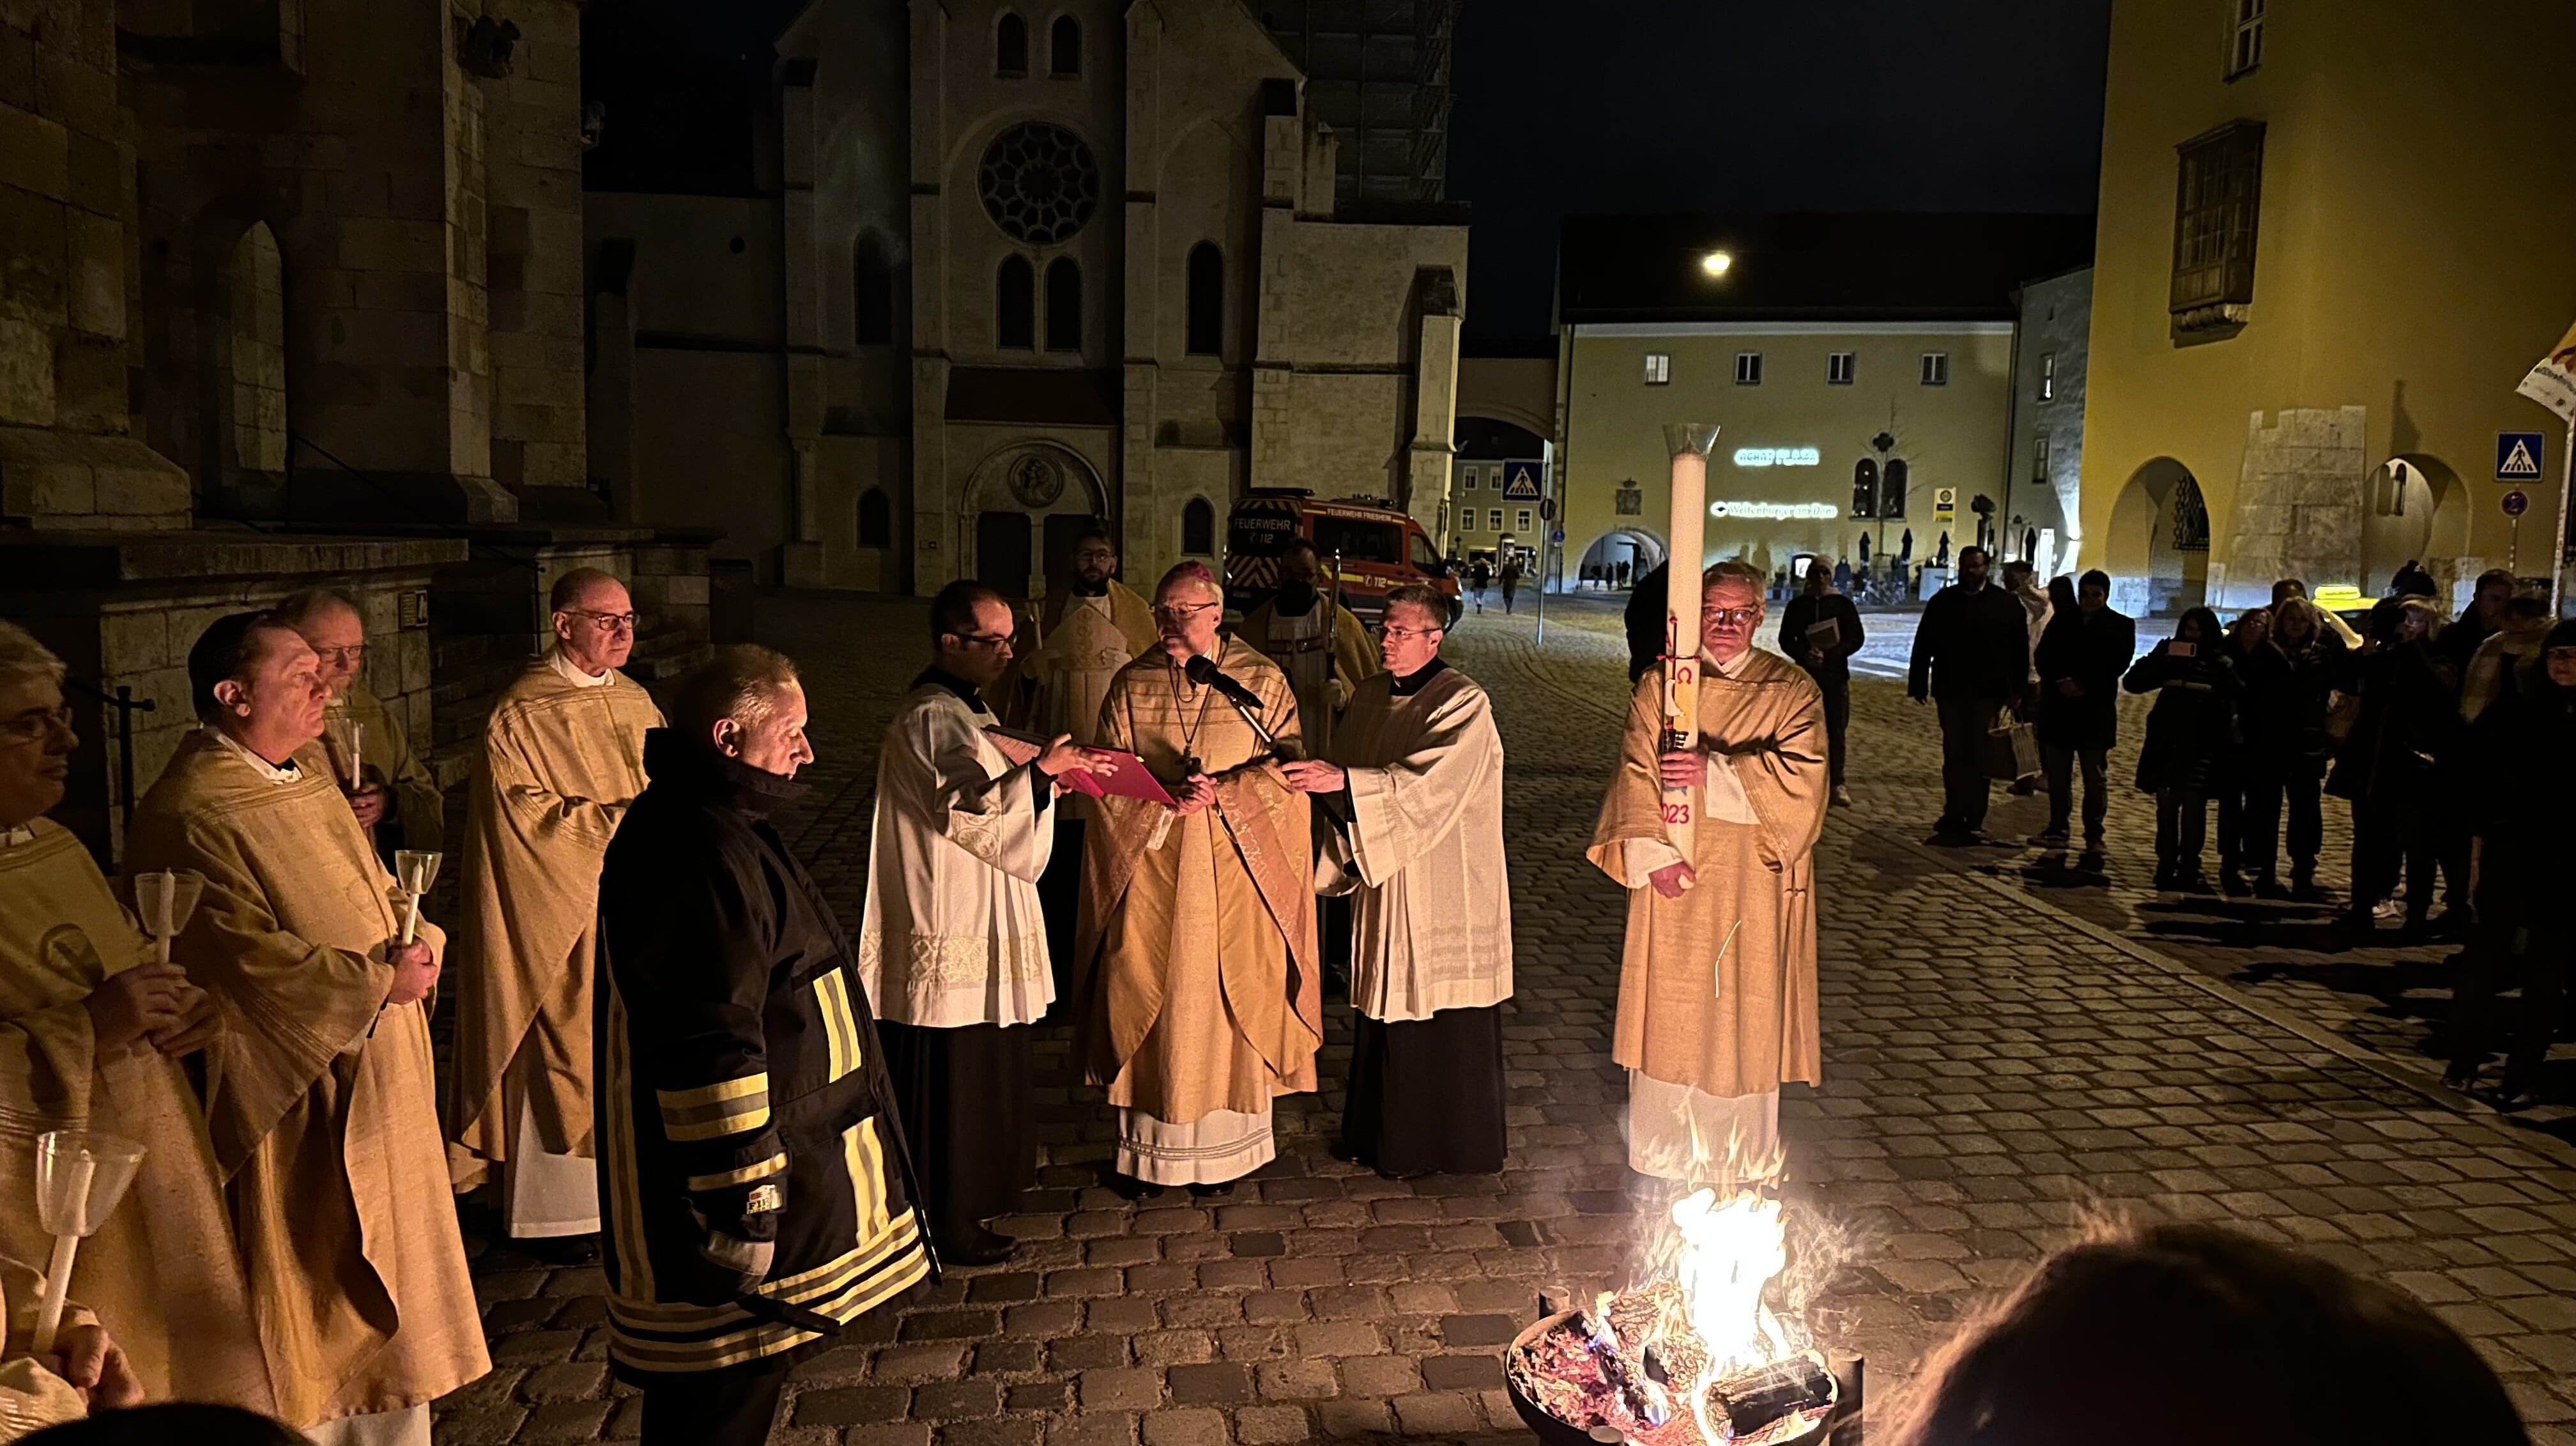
(1717, 982)
(562, 759)
(323, 1109)
(1316, 641)
(1199, 999)
(1086, 632)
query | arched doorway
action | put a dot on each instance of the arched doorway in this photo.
(1639, 550)
(2414, 510)
(1029, 501)
(2159, 548)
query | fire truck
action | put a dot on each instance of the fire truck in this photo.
(1378, 547)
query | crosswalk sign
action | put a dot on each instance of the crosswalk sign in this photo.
(1520, 482)
(2518, 456)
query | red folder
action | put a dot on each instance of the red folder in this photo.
(1131, 779)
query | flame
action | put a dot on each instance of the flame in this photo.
(1728, 1255)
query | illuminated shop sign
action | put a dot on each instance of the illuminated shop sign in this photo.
(1776, 457)
(1775, 511)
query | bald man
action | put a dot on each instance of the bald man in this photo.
(563, 757)
(389, 788)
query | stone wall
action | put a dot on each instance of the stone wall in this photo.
(2298, 503)
(532, 159)
(124, 611)
(2056, 324)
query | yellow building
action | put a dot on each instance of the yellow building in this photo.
(1812, 337)
(2334, 235)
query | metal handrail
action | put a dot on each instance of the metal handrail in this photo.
(295, 439)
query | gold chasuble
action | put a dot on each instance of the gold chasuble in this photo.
(162, 1269)
(1200, 997)
(562, 759)
(1326, 654)
(320, 1098)
(1057, 683)
(386, 759)
(1717, 989)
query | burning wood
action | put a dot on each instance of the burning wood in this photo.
(1692, 1357)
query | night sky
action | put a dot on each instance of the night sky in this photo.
(1732, 105)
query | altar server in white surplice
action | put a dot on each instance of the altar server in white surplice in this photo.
(1414, 792)
(953, 951)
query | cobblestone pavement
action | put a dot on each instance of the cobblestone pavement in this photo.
(1999, 1065)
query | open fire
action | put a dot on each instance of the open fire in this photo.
(1694, 1355)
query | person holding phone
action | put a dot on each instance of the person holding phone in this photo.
(2191, 728)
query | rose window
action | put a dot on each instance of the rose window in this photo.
(1039, 183)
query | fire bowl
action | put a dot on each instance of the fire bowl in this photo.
(1836, 1423)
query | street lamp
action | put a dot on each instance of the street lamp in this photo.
(1716, 263)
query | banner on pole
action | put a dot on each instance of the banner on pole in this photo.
(2552, 383)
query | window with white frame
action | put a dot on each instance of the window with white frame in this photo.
(1936, 369)
(1748, 369)
(2245, 38)
(1494, 519)
(1659, 368)
(1521, 520)
(2039, 458)
(2048, 376)
(1838, 369)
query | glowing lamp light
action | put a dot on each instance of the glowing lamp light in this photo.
(1777, 457)
(1775, 511)
(1716, 263)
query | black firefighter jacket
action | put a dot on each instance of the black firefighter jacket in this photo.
(752, 1167)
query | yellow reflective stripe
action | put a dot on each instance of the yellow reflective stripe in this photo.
(866, 1159)
(625, 1193)
(710, 1111)
(755, 1083)
(743, 1176)
(840, 1026)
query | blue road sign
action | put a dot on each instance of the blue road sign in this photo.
(1520, 481)
(2518, 456)
(2516, 503)
(1557, 537)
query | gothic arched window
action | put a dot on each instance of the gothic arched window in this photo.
(1064, 305)
(1015, 304)
(1207, 300)
(1198, 528)
(1011, 46)
(1064, 46)
(876, 519)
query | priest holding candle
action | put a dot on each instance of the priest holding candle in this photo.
(92, 1031)
(1711, 827)
(562, 759)
(392, 792)
(323, 1113)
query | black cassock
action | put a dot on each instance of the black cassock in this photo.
(1445, 1070)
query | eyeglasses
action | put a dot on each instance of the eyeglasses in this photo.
(35, 725)
(1386, 631)
(607, 622)
(1184, 613)
(982, 640)
(1732, 617)
(342, 657)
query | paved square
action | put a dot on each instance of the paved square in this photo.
(2003, 1058)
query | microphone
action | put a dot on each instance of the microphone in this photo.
(1204, 672)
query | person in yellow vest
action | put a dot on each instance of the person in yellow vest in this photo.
(1086, 631)
(393, 794)
(563, 757)
(323, 1111)
(91, 1035)
(1317, 642)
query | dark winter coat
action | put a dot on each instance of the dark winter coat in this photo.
(1970, 645)
(2409, 718)
(2523, 786)
(2193, 726)
(1645, 622)
(2093, 649)
(752, 1167)
(1805, 611)
(2283, 713)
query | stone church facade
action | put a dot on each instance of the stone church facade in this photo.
(1006, 267)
